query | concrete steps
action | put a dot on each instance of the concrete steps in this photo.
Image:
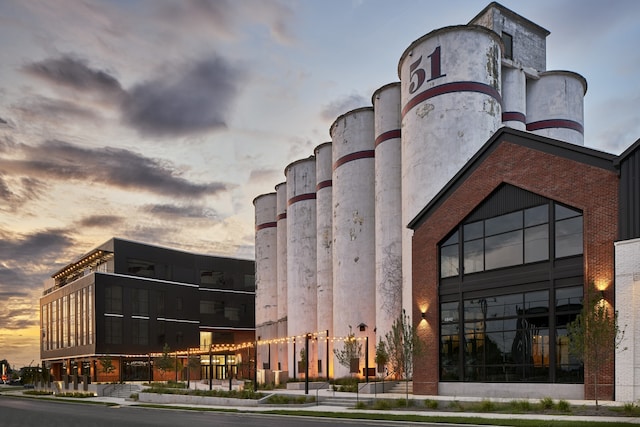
(401, 388)
(345, 402)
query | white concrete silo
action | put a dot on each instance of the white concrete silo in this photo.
(353, 179)
(301, 259)
(281, 211)
(266, 256)
(514, 98)
(451, 105)
(555, 106)
(388, 207)
(324, 255)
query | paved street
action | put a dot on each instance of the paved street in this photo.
(21, 412)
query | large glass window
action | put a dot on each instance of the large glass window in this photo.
(512, 239)
(568, 236)
(510, 338)
(449, 257)
(511, 325)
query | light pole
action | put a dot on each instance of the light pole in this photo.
(306, 364)
(363, 328)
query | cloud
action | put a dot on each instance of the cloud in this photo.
(228, 18)
(181, 212)
(16, 191)
(3, 121)
(101, 221)
(38, 248)
(74, 73)
(121, 168)
(197, 99)
(336, 108)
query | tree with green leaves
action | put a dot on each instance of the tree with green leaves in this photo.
(593, 335)
(382, 358)
(351, 351)
(165, 363)
(402, 345)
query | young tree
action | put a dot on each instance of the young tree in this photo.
(351, 351)
(165, 362)
(382, 358)
(592, 336)
(402, 345)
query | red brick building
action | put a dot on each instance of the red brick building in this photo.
(501, 258)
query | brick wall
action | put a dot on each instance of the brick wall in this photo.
(589, 188)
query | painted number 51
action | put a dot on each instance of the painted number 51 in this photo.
(418, 75)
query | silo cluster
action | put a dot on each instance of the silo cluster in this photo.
(343, 256)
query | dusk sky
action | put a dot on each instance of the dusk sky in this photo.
(160, 121)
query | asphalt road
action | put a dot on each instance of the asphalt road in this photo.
(24, 412)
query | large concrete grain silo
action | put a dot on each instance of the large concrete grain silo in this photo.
(301, 260)
(555, 106)
(353, 230)
(281, 211)
(388, 207)
(266, 277)
(514, 98)
(324, 254)
(451, 105)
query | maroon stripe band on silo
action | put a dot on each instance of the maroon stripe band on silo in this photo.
(385, 136)
(324, 184)
(266, 225)
(301, 197)
(513, 116)
(556, 123)
(282, 216)
(367, 154)
(451, 88)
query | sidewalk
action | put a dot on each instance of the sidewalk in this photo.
(361, 396)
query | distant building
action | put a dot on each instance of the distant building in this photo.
(123, 301)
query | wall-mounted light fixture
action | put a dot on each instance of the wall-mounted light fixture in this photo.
(424, 315)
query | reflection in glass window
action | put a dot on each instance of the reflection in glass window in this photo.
(536, 243)
(569, 237)
(473, 256)
(503, 250)
(503, 223)
(512, 239)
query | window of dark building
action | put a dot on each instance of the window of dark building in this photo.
(138, 267)
(113, 330)
(211, 307)
(140, 331)
(179, 304)
(215, 279)
(502, 319)
(161, 337)
(113, 299)
(507, 39)
(249, 281)
(140, 302)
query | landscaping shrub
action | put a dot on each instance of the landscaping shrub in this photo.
(431, 404)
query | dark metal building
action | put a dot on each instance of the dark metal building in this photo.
(125, 301)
